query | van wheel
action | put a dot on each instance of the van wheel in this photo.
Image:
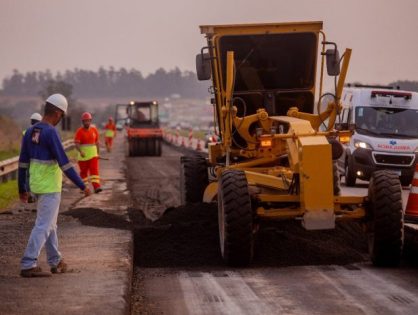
(384, 219)
(406, 180)
(350, 175)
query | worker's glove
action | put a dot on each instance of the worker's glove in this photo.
(87, 192)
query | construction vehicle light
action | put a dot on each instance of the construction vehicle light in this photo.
(132, 103)
(345, 138)
(266, 143)
(154, 103)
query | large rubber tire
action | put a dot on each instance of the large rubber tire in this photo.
(141, 148)
(350, 175)
(158, 147)
(193, 178)
(133, 147)
(235, 215)
(406, 180)
(384, 219)
(130, 147)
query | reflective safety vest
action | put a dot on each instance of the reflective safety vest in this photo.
(45, 176)
(109, 133)
(89, 150)
(110, 130)
(43, 157)
(87, 139)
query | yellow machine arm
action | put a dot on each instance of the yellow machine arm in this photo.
(333, 108)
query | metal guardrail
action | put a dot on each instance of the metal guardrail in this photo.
(9, 167)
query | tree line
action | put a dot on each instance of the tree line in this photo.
(108, 83)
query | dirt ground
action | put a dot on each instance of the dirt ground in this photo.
(186, 238)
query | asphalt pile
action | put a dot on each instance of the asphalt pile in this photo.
(182, 237)
(188, 236)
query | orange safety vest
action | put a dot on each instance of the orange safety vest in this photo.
(88, 140)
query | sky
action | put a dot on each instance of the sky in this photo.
(86, 34)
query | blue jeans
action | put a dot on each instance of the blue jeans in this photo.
(44, 232)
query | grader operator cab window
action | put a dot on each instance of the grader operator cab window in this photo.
(271, 61)
(273, 71)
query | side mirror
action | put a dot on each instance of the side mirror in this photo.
(333, 62)
(203, 69)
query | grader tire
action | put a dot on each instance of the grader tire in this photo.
(385, 219)
(235, 217)
(193, 178)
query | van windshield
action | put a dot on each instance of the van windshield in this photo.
(383, 121)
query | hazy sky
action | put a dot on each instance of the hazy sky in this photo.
(87, 34)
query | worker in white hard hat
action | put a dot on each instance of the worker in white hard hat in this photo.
(34, 119)
(43, 156)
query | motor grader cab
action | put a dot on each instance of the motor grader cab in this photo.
(272, 161)
(143, 128)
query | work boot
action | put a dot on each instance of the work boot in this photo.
(34, 272)
(97, 190)
(60, 268)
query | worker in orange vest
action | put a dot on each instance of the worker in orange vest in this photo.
(110, 133)
(87, 144)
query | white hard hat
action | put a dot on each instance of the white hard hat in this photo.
(36, 116)
(58, 100)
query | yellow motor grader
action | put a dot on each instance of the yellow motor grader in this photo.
(277, 155)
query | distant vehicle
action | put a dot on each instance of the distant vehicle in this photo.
(119, 125)
(142, 127)
(385, 132)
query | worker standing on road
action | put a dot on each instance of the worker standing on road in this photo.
(87, 144)
(34, 119)
(110, 133)
(43, 156)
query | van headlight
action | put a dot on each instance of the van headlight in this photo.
(362, 145)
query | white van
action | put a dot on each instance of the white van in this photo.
(385, 124)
